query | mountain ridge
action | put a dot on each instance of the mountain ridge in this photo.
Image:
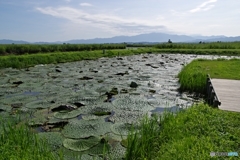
(149, 37)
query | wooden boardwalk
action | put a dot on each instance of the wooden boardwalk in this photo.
(228, 92)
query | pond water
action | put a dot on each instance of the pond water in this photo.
(87, 101)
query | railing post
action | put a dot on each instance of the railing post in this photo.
(215, 102)
(210, 90)
(207, 83)
(212, 97)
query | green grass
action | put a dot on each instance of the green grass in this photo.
(190, 134)
(17, 142)
(193, 76)
(28, 60)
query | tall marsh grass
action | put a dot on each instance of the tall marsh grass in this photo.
(17, 142)
(190, 134)
(193, 76)
(144, 143)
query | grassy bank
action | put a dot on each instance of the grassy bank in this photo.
(193, 76)
(19, 49)
(190, 134)
(200, 51)
(28, 60)
(17, 142)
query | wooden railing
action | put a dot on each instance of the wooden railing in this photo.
(212, 97)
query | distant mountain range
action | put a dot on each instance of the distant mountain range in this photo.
(141, 38)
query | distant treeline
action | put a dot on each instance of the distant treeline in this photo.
(200, 45)
(19, 49)
(141, 45)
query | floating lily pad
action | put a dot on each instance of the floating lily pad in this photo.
(85, 100)
(100, 148)
(64, 107)
(96, 108)
(112, 138)
(89, 117)
(5, 108)
(37, 121)
(67, 114)
(117, 151)
(103, 109)
(54, 139)
(85, 128)
(18, 98)
(121, 128)
(53, 120)
(31, 86)
(4, 80)
(16, 105)
(80, 144)
(39, 104)
(132, 103)
(40, 117)
(123, 116)
(88, 157)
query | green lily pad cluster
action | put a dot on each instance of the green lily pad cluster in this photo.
(100, 102)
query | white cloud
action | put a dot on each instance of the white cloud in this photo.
(85, 4)
(67, 1)
(112, 23)
(204, 6)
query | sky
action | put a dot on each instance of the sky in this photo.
(62, 20)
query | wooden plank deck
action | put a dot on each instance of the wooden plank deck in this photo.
(228, 92)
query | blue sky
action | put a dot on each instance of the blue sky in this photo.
(60, 20)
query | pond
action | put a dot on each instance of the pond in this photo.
(79, 105)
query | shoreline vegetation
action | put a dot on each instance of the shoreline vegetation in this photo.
(192, 77)
(18, 141)
(28, 55)
(30, 60)
(190, 134)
